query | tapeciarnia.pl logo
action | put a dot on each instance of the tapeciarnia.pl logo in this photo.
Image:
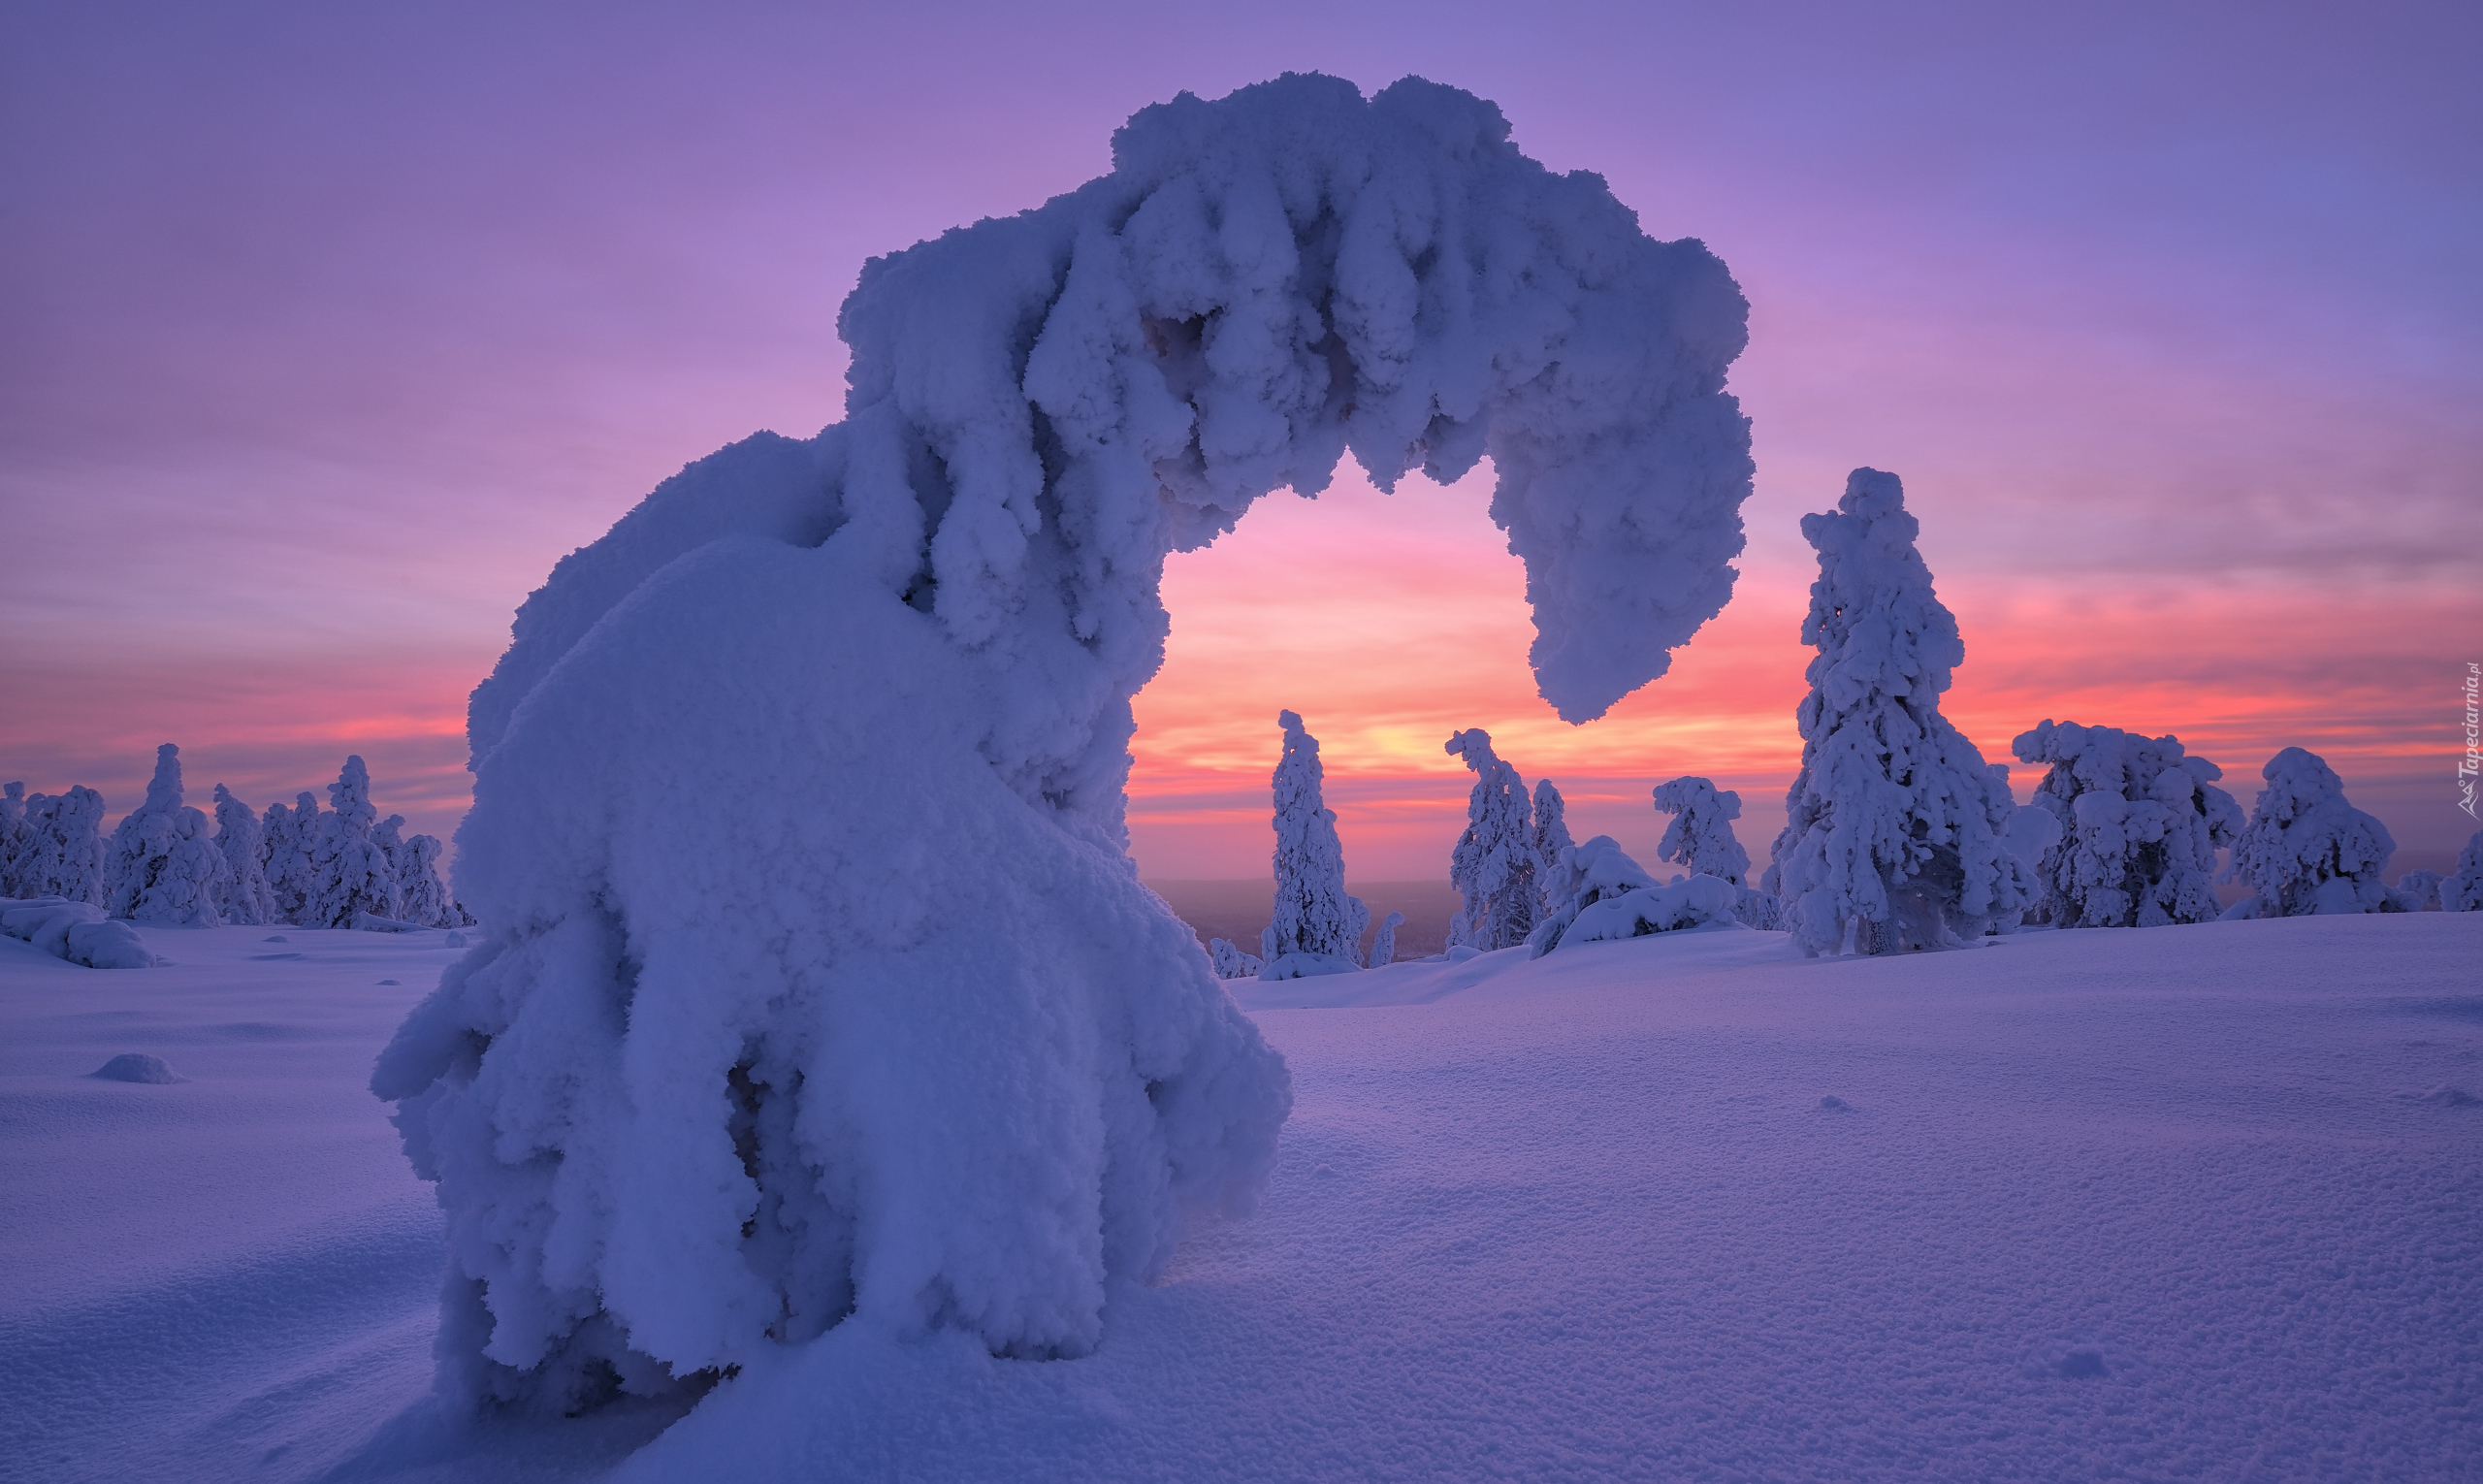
(2472, 763)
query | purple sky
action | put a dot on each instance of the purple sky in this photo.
(329, 328)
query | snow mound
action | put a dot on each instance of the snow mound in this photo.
(74, 931)
(137, 1066)
(2447, 1097)
(817, 979)
(1306, 966)
(1694, 901)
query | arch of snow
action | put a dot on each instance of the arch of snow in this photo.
(818, 985)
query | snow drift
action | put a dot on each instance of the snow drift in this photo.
(819, 982)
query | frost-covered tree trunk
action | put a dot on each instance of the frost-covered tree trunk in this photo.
(164, 866)
(1897, 829)
(1700, 836)
(1492, 866)
(1383, 943)
(12, 836)
(817, 977)
(61, 853)
(2141, 825)
(349, 873)
(1549, 837)
(2461, 889)
(247, 901)
(2306, 849)
(1315, 927)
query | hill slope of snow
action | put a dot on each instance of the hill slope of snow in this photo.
(2167, 1203)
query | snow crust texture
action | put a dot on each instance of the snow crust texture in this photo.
(817, 977)
(2306, 849)
(1897, 835)
(2140, 824)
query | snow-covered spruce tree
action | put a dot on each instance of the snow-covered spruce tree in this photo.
(1549, 837)
(13, 834)
(816, 764)
(1897, 829)
(247, 901)
(2461, 889)
(1316, 928)
(1383, 943)
(61, 853)
(2306, 851)
(163, 865)
(286, 839)
(422, 894)
(349, 873)
(2141, 825)
(1492, 866)
(1231, 963)
(2421, 891)
(1583, 875)
(1700, 836)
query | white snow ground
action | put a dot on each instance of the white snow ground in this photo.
(2186, 1203)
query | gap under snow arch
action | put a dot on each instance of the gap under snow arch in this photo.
(820, 987)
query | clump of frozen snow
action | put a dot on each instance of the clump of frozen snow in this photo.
(1494, 865)
(75, 931)
(248, 901)
(819, 979)
(138, 1067)
(2461, 890)
(1897, 831)
(1314, 922)
(2306, 849)
(1383, 943)
(164, 866)
(2140, 824)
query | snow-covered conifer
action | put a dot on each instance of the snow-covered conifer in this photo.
(2461, 889)
(247, 901)
(1550, 836)
(286, 839)
(424, 896)
(349, 875)
(2421, 889)
(2306, 849)
(13, 834)
(2139, 827)
(165, 867)
(1383, 943)
(1230, 962)
(1492, 866)
(1317, 927)
(61, 853)
(1597, 871)
(1896, 828)
(1700, 836)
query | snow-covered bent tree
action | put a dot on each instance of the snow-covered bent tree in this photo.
(1494, 865)
(1898, 834)
(818, 985)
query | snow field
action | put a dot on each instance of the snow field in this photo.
(2186, 1202)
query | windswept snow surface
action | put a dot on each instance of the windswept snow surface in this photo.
(2202, 1202)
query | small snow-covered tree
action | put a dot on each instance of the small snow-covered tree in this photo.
(415, 860)
(348, 874)
(2461, 889)
(247, 901)
(1700, 836)
(61, 853)
(1599, 870)
(2139, 827)
(1895, 835)
(1315, 927)
(2306, 849)
(2421, 889)
(12, 835)
(286, 838)
(1383, 943)
(1549, 836)
(165, 867)
(1230, 962)
(1494, 866)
